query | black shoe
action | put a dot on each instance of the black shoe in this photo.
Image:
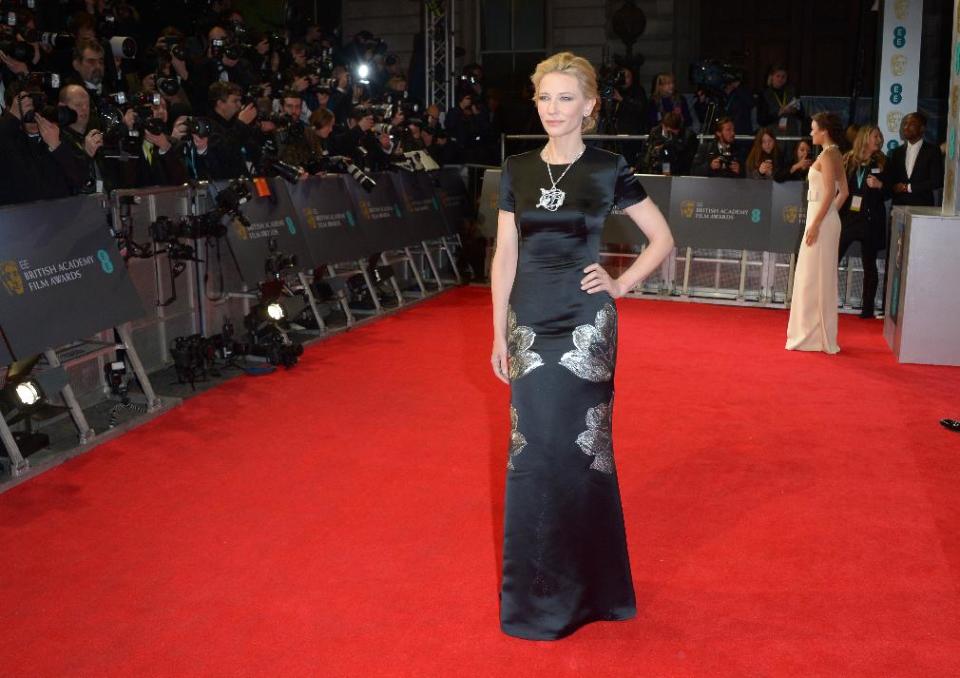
(951, 424)
(867, 315)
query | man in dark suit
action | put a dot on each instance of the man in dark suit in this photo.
(719, 157)
(916, 167)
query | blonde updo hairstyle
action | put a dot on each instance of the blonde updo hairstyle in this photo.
(582, 70)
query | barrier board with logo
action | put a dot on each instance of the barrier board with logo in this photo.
(454, 199)
(271, 217)
(379, 215)
(788, 215)
(720, 213)
(619, 228)
(420, 205)
(899, 65)
(63, 278)
(329, 219)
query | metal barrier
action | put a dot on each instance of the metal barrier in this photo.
(198, 295)
(736, 240)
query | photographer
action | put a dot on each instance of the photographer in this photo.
(718, 157)
(84, 140)
(154, 164)
(233, 140)
(469, 128)
(36, 165)
(223, 63)
(293, 139)
(666, 148)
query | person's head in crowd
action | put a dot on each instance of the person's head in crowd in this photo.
(433, 115)
(218, 32)
(77, 99)
(664, 85)
(393, 65)
(764, 148)
(724, 132)
(628, 79)
(298, 54)
(82, 25)
(826, 129)
(913, 127)
(671, 124)
(322, 121)
(803, 150)
(291, 103)
(224, 99)
(465, 102)
(342, 75)
(16, 101)
(363, 118)
(566, 87)
(866, 147)
(397, 83)
(88, 60)
(323, 98)
(777, 77)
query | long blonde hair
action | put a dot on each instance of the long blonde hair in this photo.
(582, 70)
(854, 157)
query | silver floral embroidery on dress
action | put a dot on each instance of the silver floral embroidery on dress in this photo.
(520, 338)
(597, 440)
(596, 352)
(517, 441)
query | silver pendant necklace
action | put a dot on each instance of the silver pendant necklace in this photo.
(552, 199)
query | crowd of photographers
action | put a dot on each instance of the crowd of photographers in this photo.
(97, 96)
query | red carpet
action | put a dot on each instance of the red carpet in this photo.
(788, 515)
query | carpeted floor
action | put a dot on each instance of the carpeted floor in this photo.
(787, 514)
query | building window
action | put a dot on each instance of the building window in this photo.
(512, 41)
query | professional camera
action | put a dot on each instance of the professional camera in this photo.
(340, 164)
(198, 126)
(726, 158)
(15, 49)
(611, 79)
(712, 76)
(231, 197)
(221, 48)
(167, 85)
(209, 225)
(171, 46)
(277, 262)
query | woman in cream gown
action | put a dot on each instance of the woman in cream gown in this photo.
(813, 309)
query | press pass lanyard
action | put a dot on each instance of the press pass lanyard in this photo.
(861, 175)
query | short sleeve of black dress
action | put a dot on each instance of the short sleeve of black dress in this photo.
(628, 191)
(506, 202)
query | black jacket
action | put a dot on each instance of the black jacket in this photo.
(30, 171)
(926, 178)
(707, 152)
(232, 143)
(873, 212)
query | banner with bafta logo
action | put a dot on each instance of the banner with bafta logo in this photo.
(951, 174)
(63, 277)
(899, 66)
(720, 213)
(272, 222)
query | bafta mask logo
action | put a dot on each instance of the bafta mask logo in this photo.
(901, 8)
(948, 188)
(894, 119)
(240, 230)
(12, 280)
(898, 64)
(687, 208)
(954, 100)
(790, 213)
(365, 209)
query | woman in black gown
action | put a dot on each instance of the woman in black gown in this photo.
(565, 560)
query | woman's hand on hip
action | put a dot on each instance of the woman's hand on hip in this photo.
(598, 280)
(813, 232)
(499, 361)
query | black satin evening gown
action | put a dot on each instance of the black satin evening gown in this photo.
(565, 560)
